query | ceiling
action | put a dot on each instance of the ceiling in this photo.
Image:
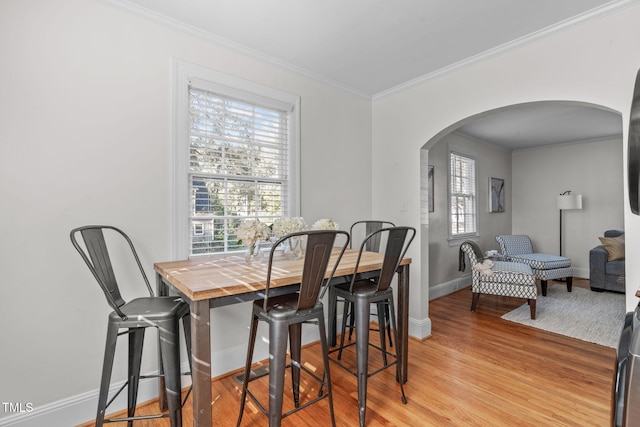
(374, 47)
(544, 123)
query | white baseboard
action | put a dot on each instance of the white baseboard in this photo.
(581, 272)
(81, 408)
(451, 286)
(420, 329)
(67, 412)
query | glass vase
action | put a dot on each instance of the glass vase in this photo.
(253, 255)
(293, 248)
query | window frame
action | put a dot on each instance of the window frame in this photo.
(472, 156)
(231, 86)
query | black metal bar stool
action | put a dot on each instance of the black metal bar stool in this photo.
(285, 315)
(372, 245)
(132, 318)
(361, 294)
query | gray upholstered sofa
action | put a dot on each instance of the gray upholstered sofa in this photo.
(605, 275)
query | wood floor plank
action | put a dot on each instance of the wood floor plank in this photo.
(476, 369)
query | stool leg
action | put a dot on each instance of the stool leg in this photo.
(345, 310)
(362, 312)
(278, 332)
(351, 316)
(295, 345)
(569, 283)
(247, 367)
(136, 340)
(386, 312)
(333, 310)
(325, 359)
(170, 348)
(382, 328)
(107, 366)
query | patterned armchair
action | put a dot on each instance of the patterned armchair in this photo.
(545, 267)
(504, 278)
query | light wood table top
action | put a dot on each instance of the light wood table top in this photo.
(218, 276)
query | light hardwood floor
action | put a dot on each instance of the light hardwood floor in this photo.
(475, 370)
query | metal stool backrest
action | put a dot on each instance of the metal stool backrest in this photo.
(398, 240)
(370, 226)
(319, 247)
(96, 256)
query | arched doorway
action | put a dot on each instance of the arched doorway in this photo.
(540, 149)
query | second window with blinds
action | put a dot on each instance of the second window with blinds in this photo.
(462, 196)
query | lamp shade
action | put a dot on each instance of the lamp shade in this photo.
(570, 201)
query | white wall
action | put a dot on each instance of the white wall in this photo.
(589, 168)
(85, 127)
(595, 62)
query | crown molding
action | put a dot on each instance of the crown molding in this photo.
(204, 35)
(596, 13)
(574, 21)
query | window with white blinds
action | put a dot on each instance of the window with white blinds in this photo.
(462, 195)
(238, 167)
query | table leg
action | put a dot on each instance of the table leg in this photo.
(161, 290)
(201, 362)
(403, 320)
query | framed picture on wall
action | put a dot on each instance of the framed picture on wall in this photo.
(430, 184)
(496, 195)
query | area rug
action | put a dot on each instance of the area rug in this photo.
(583, 314)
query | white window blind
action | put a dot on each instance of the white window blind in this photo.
(238, 167)
(462, 196)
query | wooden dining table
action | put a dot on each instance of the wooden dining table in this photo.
(220, 280)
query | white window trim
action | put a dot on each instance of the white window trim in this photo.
(185, 72)
(455, 239)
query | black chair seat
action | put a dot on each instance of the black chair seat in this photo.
(360, 287)
(151, 309)
(283, 306)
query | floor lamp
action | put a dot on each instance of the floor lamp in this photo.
(566, 201)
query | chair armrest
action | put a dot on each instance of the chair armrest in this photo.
(598, 254)
(598, 258)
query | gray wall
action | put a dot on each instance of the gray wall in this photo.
(492, 161)
(591, 168)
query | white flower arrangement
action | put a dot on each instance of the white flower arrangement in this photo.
(249, 232)
(284, 226)
(325, 224)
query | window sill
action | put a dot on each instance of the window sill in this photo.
(457, 241)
